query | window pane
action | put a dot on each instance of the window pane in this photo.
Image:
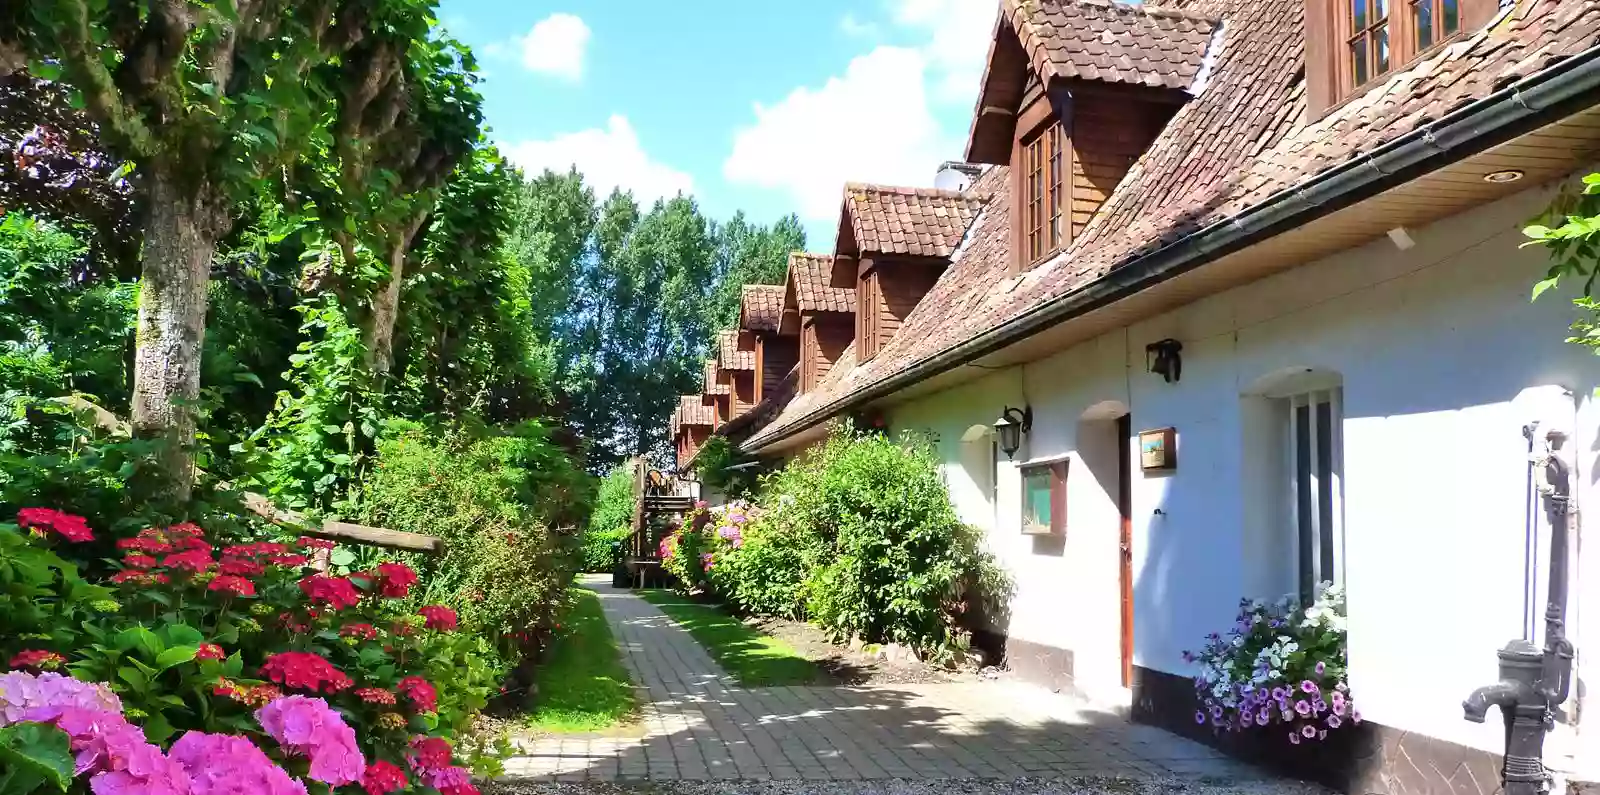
(1380, 38)
(1358, 9)
(1358, 56)
(1302, 488)
(1424, 18)
(1036, 499)
(1325, 541)
(1055, 188)
(1452, 17)
(1380, 10)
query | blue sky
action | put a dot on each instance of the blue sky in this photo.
(766, 112)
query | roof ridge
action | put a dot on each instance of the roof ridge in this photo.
(904, 190)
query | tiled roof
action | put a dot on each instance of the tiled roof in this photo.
(808, 277)
(918, 221)
(1112, 42)
(1241, 142)
(691, 411)
(729, 357)
(761, 307)
(712, 386)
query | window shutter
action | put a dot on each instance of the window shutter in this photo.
(1321, 68)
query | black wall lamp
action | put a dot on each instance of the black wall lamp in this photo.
(1013, 423)
(1165, 358)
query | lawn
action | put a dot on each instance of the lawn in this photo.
(582, 684)
(755, 659)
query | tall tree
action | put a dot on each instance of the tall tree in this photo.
(208, 98)
(748, 254)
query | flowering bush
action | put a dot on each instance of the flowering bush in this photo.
(239, 643)
(1281, 667)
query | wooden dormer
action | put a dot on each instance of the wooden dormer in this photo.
(823, 314)
(761, 315)
(1074, 93)
(691, 427)
(716, 395)
(736, 367)
(894, 243)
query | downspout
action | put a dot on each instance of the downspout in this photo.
(1532, 101)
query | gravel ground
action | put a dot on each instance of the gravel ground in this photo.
(1022, 786)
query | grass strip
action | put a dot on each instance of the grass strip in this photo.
(582, 684)
(753, 658)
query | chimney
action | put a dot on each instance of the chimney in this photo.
(955, 175)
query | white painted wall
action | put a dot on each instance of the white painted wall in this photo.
(1441, 355)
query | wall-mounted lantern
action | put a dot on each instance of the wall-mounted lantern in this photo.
(1165, 358)
(1013, 423)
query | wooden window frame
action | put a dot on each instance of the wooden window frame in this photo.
(868, 294)
(1041, 192)
(1330, 31)
(1058, 498)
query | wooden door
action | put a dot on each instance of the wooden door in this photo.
(1125, 540)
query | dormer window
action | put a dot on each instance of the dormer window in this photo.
(1368, 51)
(1353, 45)
(1043, 193)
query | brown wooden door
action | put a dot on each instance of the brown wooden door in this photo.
(1125, 540)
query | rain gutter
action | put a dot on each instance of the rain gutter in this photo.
(1538, 99)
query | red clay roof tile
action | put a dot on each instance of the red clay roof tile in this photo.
(729, 356)
(922, 222)
(1112, 42)
(761, 307)
(808, 282)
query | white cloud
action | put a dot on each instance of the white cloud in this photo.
(871, 124)
(957, 35)
(853, 26)
(555, 46)
(609, 157)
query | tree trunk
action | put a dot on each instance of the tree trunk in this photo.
(180, 238)
(386, 304)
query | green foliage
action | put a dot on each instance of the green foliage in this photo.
(59, 333)
(859, 536)
(753, 658)
(582, 686)
(494, 499)
(1571, 231)
(714, 465)
(35, 755)
(609, 521)
(599, 548)
(748, 254)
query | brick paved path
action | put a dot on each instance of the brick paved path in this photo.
(697, 724)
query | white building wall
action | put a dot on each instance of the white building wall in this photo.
(1442, 357)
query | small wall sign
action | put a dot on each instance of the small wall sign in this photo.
(1158, 449)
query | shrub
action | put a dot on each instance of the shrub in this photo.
(859, 536)
(491, 498)
(608, 522)
(1281, 666)
(195, 635)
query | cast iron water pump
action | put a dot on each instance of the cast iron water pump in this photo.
(1534, 682)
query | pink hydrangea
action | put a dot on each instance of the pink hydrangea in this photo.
(309, 727)
(452, 781)
(21, 692)
(101, 740)
(146, 771)
(221, 764)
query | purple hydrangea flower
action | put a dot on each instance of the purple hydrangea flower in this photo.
(1216, 712)
(1308, 731)
(1294, 737)
(1263, 718)
(1200, 717)
(1247, 719)
(1303, 708)
(1339, 708)
(1308, 686)
(1355, 717)
(1321, 668)
(1334, 722)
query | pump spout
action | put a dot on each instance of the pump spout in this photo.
(1500, 694)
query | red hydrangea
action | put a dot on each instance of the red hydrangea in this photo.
(395, 579)
(363, 631)
(307, 542)
(195, 560)
(139, 561)
(290, 560)
(37, 658)
(375, 695)
(303, 670)
(191, 543)
(419, 693)
(241, 567)
(153, 546)
(185, 530)
(255, 550)
(209, 651)
(45, 520)
(229, 583)
(439, 617)
(429, 754)
(383, 778)
(335, 592)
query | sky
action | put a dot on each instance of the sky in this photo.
(769, 112)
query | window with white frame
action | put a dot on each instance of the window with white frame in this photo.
(1315, 459)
